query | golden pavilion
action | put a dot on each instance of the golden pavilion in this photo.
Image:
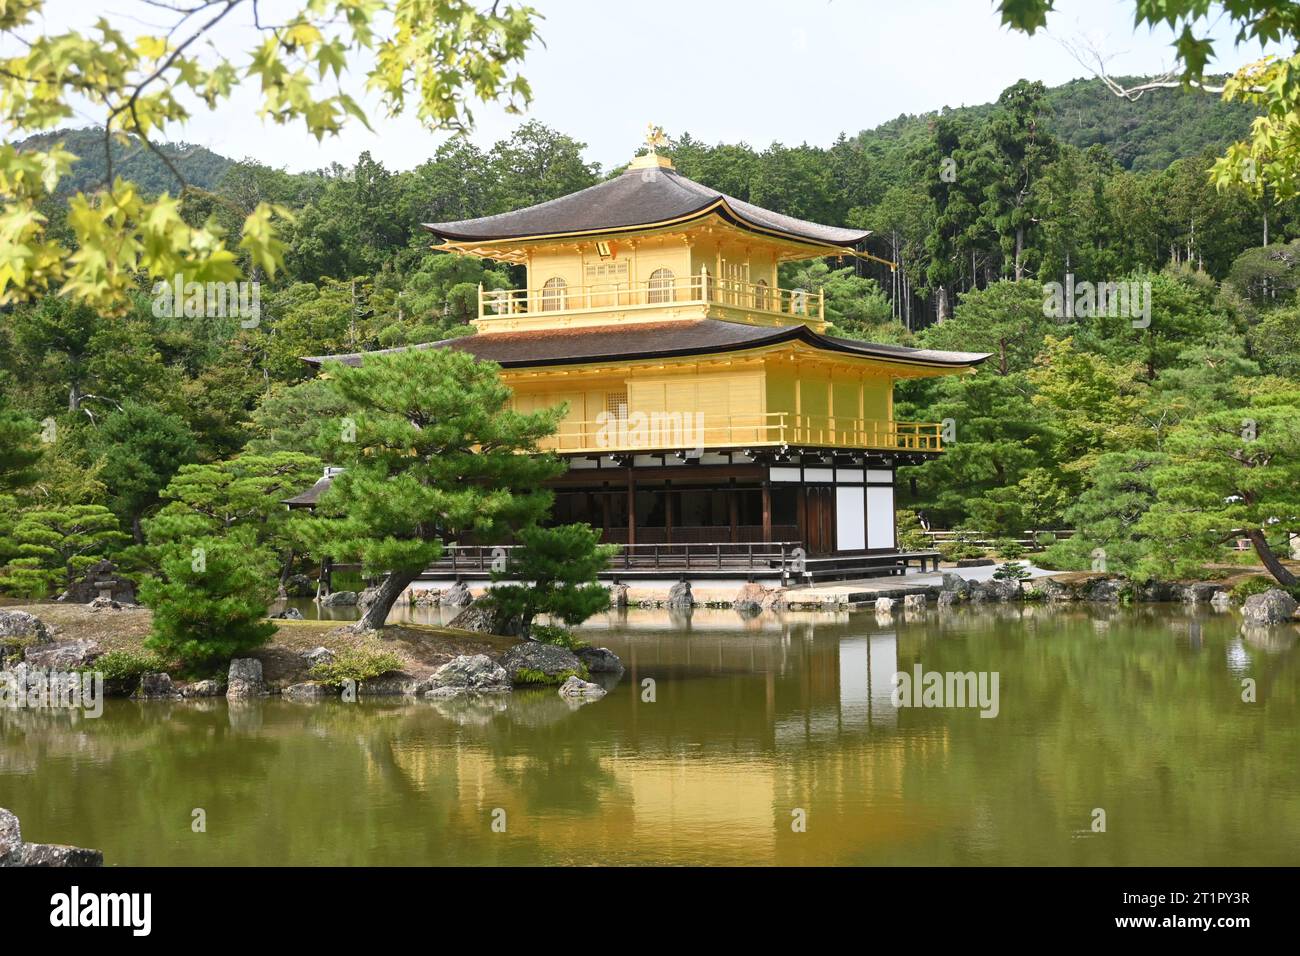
(709, 415)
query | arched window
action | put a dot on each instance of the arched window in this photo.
(661, 286)
(760, 294)
(553, 292)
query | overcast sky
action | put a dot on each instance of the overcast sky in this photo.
(723, 70)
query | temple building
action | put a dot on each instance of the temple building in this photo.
(709, 413)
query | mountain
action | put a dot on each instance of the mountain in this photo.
(135, 161)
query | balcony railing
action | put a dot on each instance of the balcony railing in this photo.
(685, 290)
(658, 431)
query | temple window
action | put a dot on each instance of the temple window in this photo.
(661, 286)
(760, 294)
(553, 294)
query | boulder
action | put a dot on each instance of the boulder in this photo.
(424, 597)
(955, 583)
(599, 660)
(338, 599)
(245, 679)
(1221, 601)
(618, 595)
(1198, 593)
(300, 586)
(1154, 591)
(100, 579)
(752, 598)
(1272, 607)
(63, 656)
(11, 839)
(914, 602)
(319, 655)
(468, 673)
(947, 599)
(14, 852)
(203, 688)
(995, 590)
(288, 614)
(397, 685)
(482, 618)
(577, 688)
(884, 605)
(680, 597)
(525, 663)
(20, 630)
(1105, 590)
(457, 595)
(309, 690)
(155, 687)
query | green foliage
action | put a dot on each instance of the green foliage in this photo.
(528, 676)
(209, 602)
(49, 546)
(356, 665)
(1009, 549)
(1250, 586)
(911, 536)
(555, 570)
(436, 458)
(559, 636)
(141, 449)
(122, 670)
(1011, 570)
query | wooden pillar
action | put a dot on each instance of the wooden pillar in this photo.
(631, 506)
(604, 507)
(733, 510)
(767, 511)
(668, 511)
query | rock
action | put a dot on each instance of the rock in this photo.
(1221, 601)
(955, 583)
(751, 598)
(100, 579)
(1153, 591)
(53, 854)
(457, 595)
(107, 604)
(203, 688)
(64, 656)
(914, 602)
(975, 563)
(947, 599)
(1272, 607)
(1198, 593)
(1105, 590)
(884, 605)
(424, 597)
(14, 852)
(300, 586)
(288, 614)
(618, 595)
(576, 687)
(368, 597)
(11, 839)
(995, 590)
(397, 686)
(680, 597)
(547, 660)
(319, 655)
(339, 599)
(482, 618)
(468, 673)
(309, 690)
(599, 660)
(19, 630)
(245, 679)
(155, 687)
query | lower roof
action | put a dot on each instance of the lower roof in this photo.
(542, 347)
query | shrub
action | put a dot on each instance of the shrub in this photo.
(1009, 549)
(526, 675)
(122, 670)
(210, 604)
(960, 547)
(559, 636)
(358, 664)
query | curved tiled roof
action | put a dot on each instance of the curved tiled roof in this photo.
(657, 339)
(640, 198)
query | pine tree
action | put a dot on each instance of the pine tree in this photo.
(555, 572)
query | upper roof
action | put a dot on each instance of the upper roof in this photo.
(659, 339)
(641, 198)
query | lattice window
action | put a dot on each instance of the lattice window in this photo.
(553, 293)
(616, 405)
(661, 286)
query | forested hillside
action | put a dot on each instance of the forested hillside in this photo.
(979, 208)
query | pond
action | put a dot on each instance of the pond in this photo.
(765, 741)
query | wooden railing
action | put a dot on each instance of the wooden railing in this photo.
(684, 290)
(656, 431)
(785, 556)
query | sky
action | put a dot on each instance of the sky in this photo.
(756, 71)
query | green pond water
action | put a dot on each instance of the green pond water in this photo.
(754, 726)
